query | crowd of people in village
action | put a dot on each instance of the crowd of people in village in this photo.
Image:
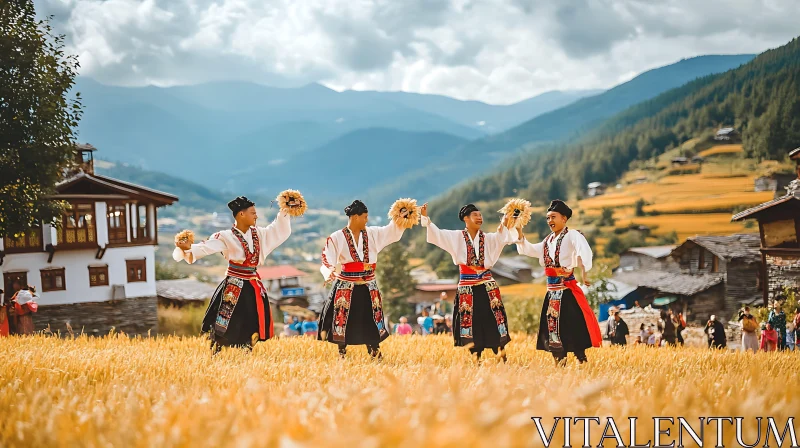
(427, 324)
(16, 310)
(777, 332)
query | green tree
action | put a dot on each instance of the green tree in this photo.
(607, 217)
(614, 246)
(168, 271)
(394, 278)
(37, 120)
(602, 289)
(640, 207)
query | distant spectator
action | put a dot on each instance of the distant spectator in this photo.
(620, 334)
(668, 334)
(749, 328)
(403, 328)
(777, 318)
(769, 339)
(439, 326)
(425, 322)
(716, 333)
(681, 327)
(310, 327)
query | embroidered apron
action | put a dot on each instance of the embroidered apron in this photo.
(471, 274)
(359, 272)
(558, 280)
(237, 275)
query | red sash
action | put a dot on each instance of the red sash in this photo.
(588, 315)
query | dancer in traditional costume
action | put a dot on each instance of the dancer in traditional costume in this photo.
(567, 323)
(239, 313)
(479, 317)
(353, 312)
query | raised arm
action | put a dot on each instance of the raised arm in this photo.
(448, 240)
(330, 258)
(276, 233)
(496, 241)
(194, 252)
(525, 247)
(385, 235)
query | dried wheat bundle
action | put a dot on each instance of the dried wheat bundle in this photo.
(292, 202)
(519, 210)
(186, 236)
(405, 213)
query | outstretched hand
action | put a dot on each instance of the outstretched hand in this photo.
(424, 210)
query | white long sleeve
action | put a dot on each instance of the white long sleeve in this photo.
(448, 240)
(452, 241)
(384, 236)
(201, 249)
(530, 249)
(330, 258)
(581, 249)
(573, 246)
(275, 234)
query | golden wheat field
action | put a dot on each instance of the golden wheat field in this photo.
(169, 392)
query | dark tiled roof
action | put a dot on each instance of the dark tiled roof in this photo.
(744, 245)
(670, 283)
(752, 211)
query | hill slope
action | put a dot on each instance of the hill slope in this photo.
(587, 113)
(204, 125)
(761, 98)
(349, 166)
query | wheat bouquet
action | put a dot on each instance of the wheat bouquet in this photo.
(292, 202)
(519, 210)
(405, 213)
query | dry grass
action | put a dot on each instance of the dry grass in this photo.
(524, 290)
(168, 392)
(722, 149)
(686, 225)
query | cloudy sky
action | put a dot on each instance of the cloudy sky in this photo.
(497, 51)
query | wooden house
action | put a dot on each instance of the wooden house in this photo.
(726, 134)
(703, 276)
(779, 227)
(95, 268)
(652, 257)
(595, 189)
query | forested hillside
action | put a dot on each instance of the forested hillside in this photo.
(761, 99)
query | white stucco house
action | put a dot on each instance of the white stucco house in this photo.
(101, 250)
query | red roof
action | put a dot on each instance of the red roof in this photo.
(278, 272)
(438, 287)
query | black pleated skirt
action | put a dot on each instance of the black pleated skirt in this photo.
(244, 320)
(361, 328)
(572, 325)
(485, 333)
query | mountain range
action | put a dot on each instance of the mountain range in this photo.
(760, 99)
(252, 139)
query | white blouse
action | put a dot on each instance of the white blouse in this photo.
(228, 244)
(453, 242)
(573, 246)
(337, 252)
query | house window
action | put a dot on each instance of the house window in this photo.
(8, 280)
(141, 223)
(30, 241)
(53, 280)
(137, 270)
(117, 224)
(98, 275)
(77, 226)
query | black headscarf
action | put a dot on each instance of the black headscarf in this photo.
(356, 208)
(559, 206)
(466, 211)
(239, 204)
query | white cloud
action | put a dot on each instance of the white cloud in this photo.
(497, 51)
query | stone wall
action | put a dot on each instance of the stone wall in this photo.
(783, 272)
(131, 316)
